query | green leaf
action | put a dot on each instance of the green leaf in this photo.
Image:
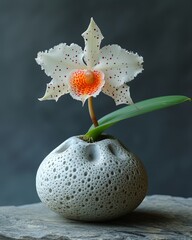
(134, 110)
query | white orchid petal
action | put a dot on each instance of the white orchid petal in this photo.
(58, 63)
(83, 98)
(121, 95)
(119, 65)
(53, 92)
(61, 60)
(92, 37)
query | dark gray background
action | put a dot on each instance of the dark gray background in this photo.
(160, 31)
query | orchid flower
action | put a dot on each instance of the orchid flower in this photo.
(85, 74)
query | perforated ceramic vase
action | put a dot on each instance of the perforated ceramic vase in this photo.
(91, 181)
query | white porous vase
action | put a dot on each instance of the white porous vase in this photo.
(91, 181)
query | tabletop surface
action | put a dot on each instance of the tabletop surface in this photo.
(158, 217)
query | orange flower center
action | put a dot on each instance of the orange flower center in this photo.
(86, 82)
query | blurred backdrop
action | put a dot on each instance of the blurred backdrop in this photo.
(160, 31)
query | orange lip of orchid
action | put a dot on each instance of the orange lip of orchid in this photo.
(86, 82)
(86, 73)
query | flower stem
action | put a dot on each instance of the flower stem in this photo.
(91, 112)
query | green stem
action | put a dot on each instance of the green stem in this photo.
(91, 112)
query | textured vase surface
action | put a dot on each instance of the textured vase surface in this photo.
(91, 181)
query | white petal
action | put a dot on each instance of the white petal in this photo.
(121, 95)
(119, 65)
(83, 98)
(61, 60)
(53, 92)
(92, 37)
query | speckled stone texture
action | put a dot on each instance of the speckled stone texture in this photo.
(91, 181)
(158, 217)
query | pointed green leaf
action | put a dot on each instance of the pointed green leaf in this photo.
(134, 110)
